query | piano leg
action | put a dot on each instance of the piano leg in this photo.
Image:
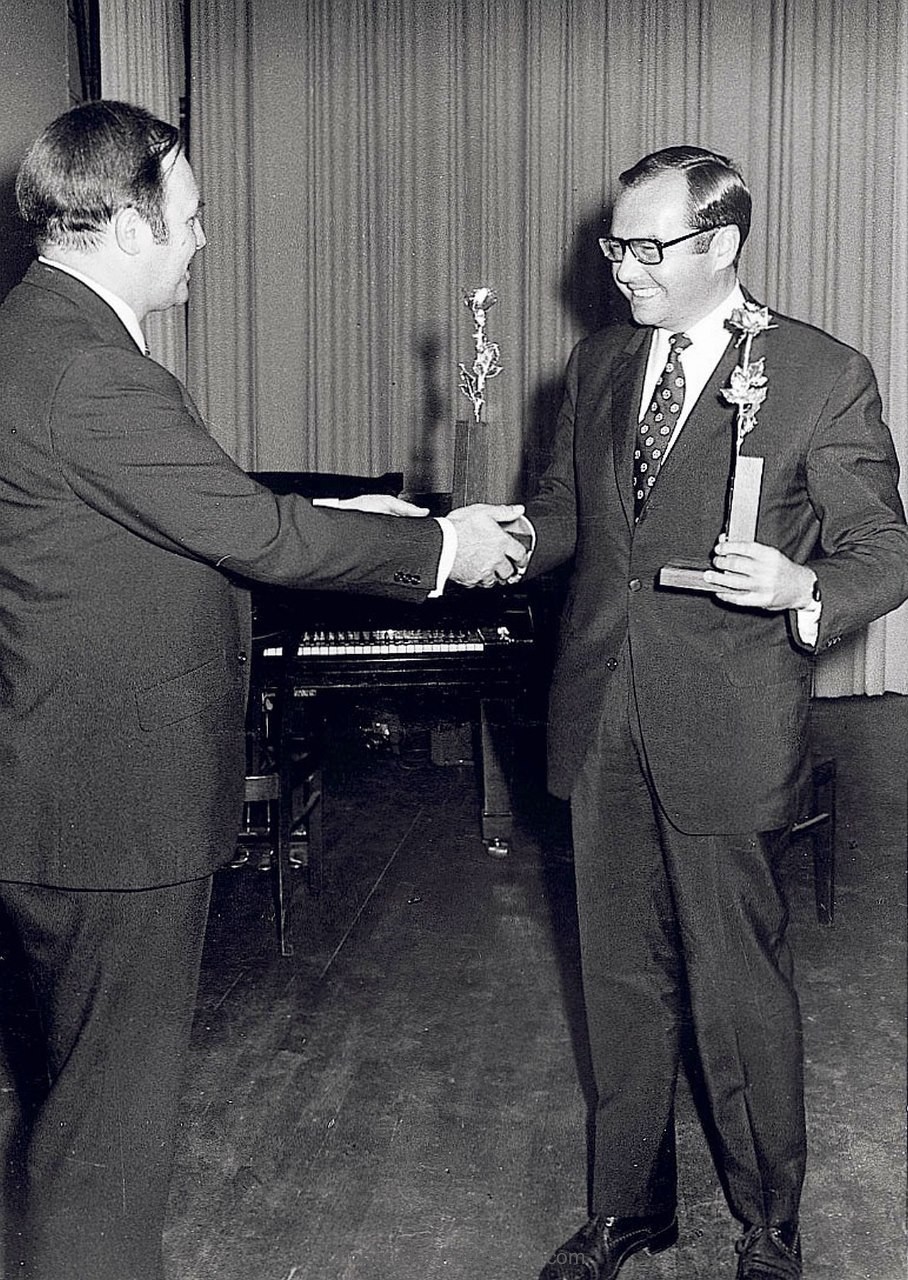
(495, 716)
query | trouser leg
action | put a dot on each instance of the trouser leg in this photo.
(732, 924)
(633, 991)
(676, 927)
(115, 976)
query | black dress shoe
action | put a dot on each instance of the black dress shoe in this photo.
(770, 1252)
(599, 1249)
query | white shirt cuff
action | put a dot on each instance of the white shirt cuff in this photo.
(807, 621)
(448, 552)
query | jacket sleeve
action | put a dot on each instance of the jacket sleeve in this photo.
(129, 446)
(552, 510)
(861, 558)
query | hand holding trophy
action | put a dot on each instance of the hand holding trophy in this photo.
(747, 390)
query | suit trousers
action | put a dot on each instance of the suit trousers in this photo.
(115, 979)
(682, 937)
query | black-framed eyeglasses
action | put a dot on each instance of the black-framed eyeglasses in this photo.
(645, 250)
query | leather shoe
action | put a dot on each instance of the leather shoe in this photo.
(770, 1252)
(599, 1249)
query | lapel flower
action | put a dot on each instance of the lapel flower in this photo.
(748, 383)
(485, 361)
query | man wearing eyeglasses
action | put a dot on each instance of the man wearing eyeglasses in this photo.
(678, 718)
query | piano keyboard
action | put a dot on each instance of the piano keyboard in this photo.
(343, 641)
(392, 642)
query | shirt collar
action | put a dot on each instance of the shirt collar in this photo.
(122, 309)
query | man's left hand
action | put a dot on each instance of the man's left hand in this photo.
(381, 504)
(754, 576)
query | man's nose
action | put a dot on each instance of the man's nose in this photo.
(628, 265)
(628, 268)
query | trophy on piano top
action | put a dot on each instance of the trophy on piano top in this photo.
(470, 437)
(747, 390)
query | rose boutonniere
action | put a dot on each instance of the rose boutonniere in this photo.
(749, 383)
(486, 360)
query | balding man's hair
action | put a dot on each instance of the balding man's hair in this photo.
(718, 194)
(87, 165)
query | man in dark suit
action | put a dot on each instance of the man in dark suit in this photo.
(678, 718)
(124, 638)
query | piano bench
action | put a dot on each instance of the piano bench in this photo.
(282, 833)
(281, 829)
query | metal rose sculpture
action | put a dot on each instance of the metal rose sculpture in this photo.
(748, 379)
(486, 359)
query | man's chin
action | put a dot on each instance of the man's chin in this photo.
(645, 310)
(179, 298)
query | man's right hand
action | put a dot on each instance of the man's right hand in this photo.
(486, 553)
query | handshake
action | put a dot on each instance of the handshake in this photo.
(493, 541)
(493, 544)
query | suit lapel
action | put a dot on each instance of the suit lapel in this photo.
(710, 420)
(627, 387)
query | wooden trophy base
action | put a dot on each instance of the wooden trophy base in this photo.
(684, 577)
(471, 463)
(742, 527)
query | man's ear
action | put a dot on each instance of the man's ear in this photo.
(725, 246)
(130, 230)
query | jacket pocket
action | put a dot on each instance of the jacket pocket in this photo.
(767, 669)
(182, 696)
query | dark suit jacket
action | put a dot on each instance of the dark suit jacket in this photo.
(722, 692)
(123, 637)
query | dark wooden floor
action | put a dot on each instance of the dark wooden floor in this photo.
(405, 1096)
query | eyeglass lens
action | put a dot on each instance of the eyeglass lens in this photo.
(648, 252)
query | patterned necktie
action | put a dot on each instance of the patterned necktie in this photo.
(659, 422)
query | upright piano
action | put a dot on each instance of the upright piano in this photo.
(476, 642)
(310, 646)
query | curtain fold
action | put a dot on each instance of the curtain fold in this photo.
(142, 62)
(366, 163)
(224, 316)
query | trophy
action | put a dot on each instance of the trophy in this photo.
(747, 390)
(471, 445)
(470, 437)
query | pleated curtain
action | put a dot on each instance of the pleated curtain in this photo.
(367, 162)
(142, 62)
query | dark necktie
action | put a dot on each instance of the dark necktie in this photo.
(659, 422)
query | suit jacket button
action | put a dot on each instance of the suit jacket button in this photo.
(634, 585)
(242, 657)
(612, 664)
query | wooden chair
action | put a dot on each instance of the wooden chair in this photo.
(819, 824)
(282, 818)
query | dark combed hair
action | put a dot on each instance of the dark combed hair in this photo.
(88, 164)
(718, 194)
